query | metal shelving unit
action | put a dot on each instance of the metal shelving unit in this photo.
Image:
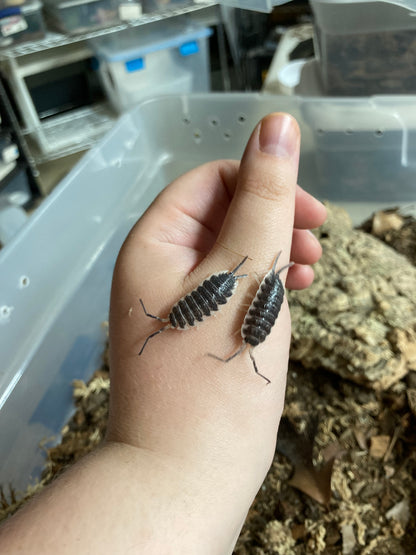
(62, 135)
(54, 40)
(25, 161)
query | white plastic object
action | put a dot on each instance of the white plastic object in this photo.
(284, 72)
(129, 10)
(10, 153)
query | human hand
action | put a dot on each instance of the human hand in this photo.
(190, 438)
(210, 426)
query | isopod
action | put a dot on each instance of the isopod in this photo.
(262, 314)
(198, 304)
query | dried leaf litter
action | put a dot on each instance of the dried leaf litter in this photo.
(342, 480)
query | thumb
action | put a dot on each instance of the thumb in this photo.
(259, 222)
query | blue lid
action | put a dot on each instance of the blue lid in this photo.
(11, 10)
(139, 45)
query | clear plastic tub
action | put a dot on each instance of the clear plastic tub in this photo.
(12, 219)
(55, 274)
(255, 5)
(150, 6)
(366, 47)
(166, 58)
(77, 16)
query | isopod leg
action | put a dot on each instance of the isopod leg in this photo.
(152, 335)
(240, 350)
(152, 315)
(255, 367)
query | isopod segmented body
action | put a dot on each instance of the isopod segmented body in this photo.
(262, 313)
(200, 303)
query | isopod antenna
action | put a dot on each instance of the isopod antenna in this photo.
(237, 268)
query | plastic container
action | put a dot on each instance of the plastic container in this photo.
(366, 47)
(167, 58)
(16, 186)
(12, 219)
(21, 23)
(77, 16)
(150, 6)
(255, 5)
(310, 83)
(55, 274)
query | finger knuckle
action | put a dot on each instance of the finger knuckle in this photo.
(269, 185)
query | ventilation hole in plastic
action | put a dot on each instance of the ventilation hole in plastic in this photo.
(349, 131)
(24, 282)
(5, 311)
(214, 121)
(378, 133)
(320, 131)
(227, 135)
(242, 118)
(197, 136)
(186, 120)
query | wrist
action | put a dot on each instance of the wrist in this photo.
(174, 506)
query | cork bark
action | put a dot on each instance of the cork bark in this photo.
(358, 319)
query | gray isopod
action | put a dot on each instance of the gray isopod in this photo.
(198, 304)
(262, 314)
